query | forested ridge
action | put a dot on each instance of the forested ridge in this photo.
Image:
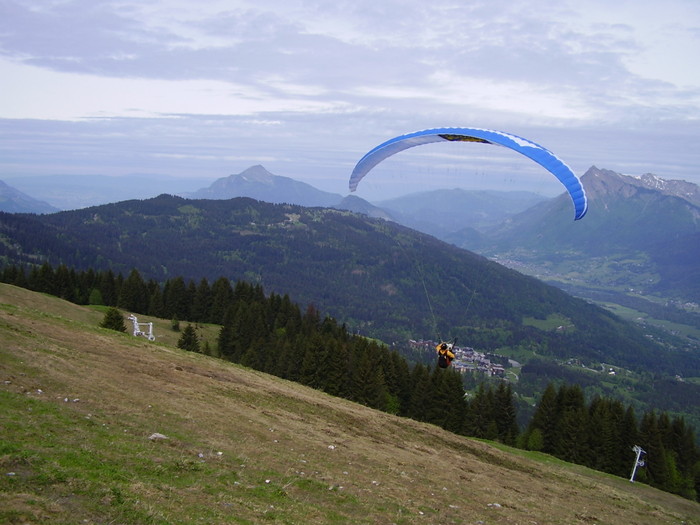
(273, 334)
(380, 278)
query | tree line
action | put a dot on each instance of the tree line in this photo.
(601, 434)
(272, 334)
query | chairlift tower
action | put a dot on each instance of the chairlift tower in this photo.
(638, 462)
(137, 328)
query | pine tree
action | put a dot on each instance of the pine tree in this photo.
(133, 295)
(457, 407)
(87, 283)
(481, 421)
(288, 317)
(336, 369)
(657, 467)
(368, 386)
(572, 445)
(399, 382)
(618, 437)
(189, 339)
(251, 325)
(311, 320)
(221, 298)
(420, 394)
(15, 275)
(255, 356)
(113, 320)
(440, 398)
(228, 334)
(308, 371)
(176, 299)
(283, 357)
(545, 419)
(65, 283)
(505, 414)
(600, 433)
(628, 433)
(679, 442)
(156, 306)
(201, 301)
(42, 279)
(572, 442)
(490, 415)
(108, 288)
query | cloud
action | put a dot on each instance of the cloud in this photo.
(184, 86)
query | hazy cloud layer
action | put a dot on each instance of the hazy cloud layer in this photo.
(306, 87)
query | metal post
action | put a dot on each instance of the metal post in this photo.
(637, 462)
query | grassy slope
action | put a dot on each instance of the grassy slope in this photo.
(79, 404)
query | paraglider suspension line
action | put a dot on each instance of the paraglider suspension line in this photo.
(466, 311)
(430, 305)
(425, 288)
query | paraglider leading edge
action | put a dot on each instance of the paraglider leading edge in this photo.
(533, 151)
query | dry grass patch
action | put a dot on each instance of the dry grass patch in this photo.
(80, 403)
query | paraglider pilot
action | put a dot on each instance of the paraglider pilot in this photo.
(445, 354)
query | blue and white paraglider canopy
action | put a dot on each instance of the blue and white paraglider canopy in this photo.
(539, 154)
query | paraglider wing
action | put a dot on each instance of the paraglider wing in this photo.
(539, 154)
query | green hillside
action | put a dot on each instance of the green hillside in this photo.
(377, 277)
(81, 406)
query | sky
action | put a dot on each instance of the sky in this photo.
(204, 90)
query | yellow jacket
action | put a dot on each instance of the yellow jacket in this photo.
(446, 350)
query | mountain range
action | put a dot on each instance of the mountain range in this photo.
(638, 247)
(640, 239)
(72, 192)
(437, 213)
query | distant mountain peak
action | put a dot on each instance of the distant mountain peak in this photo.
(256, 173)
(677, 188)
(652, 181)
(258, 183)
(601, 182)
